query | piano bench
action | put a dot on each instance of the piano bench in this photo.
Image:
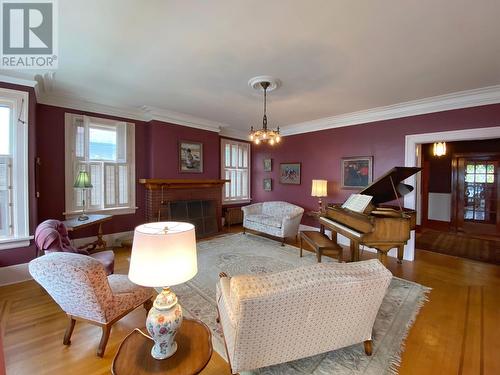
(320, 242)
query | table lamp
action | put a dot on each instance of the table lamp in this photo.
(163, 254)
(83, 182)
(320, 190)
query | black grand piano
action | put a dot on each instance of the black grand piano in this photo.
(382, 228)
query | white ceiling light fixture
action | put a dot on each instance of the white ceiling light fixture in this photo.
(272, 137)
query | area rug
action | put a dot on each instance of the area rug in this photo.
(250, 254)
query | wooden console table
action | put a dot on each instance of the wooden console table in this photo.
(74, 224)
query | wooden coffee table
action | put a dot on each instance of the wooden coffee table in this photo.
(320, 243)
(194, 349)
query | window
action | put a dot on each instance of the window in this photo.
(235, 160)
(105, 149)
(14, 210)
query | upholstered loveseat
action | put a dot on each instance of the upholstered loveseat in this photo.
(280, 317)
(279, 219)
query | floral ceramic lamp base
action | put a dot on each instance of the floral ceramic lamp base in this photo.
(163, 321)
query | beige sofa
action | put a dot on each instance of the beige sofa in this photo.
(275, 318)
(279, 219)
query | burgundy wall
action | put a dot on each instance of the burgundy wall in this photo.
(24, 254)
(156, 156)
(320, 152)
(164, 155)
(440, 167)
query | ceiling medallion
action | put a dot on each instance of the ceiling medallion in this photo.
(265, 83)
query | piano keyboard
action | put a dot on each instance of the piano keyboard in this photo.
(342, 227)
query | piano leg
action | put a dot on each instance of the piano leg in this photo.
(382, 256)
(401, 250)
(354, 251)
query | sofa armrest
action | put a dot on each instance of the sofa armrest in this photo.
(224, 299)
(291, 223)
(255, 208)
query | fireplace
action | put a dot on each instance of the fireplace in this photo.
(195, 201)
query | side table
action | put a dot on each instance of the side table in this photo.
(194, 350)
(94, 219)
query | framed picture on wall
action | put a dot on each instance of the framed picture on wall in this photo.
(190, 157)
(268, 165)
(268, 184)
(290, 173)
(357, 172)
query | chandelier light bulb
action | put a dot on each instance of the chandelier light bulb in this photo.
(278, 139)
(271, 142)
(257, 141)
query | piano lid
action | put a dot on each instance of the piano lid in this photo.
(381, 189)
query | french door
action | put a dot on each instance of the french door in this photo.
(476, 193)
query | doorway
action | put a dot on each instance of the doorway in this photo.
(476, 193)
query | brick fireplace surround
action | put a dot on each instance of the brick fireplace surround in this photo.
(180, 189)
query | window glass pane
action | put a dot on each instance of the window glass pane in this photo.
(480, 168)
(490, 178)
(470, 168)
(102, 144)
(469, 178)
(490, 168)
(227, 159)
(240, 157)
(4, 131)
(80, 142)
(480, 178)
(234, 156)
(238, 184)
(245, 157)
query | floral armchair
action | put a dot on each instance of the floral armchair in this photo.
(79, 285)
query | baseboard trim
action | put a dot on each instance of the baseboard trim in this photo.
(14, 274)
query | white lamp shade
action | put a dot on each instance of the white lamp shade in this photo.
(163, 254)
(319, 188)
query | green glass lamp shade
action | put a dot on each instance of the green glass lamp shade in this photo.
(82, 181)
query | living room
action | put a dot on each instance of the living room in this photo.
(355, 131)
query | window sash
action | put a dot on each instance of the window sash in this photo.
(113, 181)
(235, 157)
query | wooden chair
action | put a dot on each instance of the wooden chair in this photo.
(79, 285)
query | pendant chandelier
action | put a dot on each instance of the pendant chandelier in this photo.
(264, 135)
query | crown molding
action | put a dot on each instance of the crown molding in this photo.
(172, 117)
(457, 100)
(88, 106)
(234, 133)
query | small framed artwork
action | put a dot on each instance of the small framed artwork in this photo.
(268, 165)
(190, 157)
(268, 184)
(357, 172)
(290, 173)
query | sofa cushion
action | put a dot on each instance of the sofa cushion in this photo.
(265, 220)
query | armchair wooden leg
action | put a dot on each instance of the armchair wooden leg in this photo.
(69, 330)
(244, 230)
(368, 347)
(106, 330)
(283, 242)
(147, 305)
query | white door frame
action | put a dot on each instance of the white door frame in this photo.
(413, 152)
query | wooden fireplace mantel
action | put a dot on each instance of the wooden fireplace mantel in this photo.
(158, 183)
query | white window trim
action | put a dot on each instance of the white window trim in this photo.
(230, 202)
(20, 215)
(69, 173)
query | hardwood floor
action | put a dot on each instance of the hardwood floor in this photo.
(476, 247)
(456, 332)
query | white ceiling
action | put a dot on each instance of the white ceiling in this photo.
(333, 57)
